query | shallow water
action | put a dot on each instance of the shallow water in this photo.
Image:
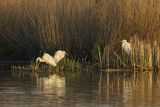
(75, 89)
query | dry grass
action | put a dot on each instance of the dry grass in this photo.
(87, 29)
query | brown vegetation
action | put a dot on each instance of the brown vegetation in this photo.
(89, 29)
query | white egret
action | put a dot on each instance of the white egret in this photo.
(50, 60)
(126, 46)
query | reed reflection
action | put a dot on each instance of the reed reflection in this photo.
(129, 89)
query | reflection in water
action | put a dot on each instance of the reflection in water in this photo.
(52, 85)
(78, 89)
(140, 89)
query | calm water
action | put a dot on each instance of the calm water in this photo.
(75, 89)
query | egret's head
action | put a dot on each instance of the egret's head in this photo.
(123, 40)
(37, 60)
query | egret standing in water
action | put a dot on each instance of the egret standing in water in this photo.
(50, 60)
(126, 47)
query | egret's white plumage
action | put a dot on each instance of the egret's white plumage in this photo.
(59, 55)
(126, 46)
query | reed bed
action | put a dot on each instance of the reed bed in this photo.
(85, 29)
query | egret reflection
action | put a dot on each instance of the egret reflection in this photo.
(53, 85)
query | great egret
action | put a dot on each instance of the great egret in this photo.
(126, 46)
(59, 55)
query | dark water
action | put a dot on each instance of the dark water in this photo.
(74, 89)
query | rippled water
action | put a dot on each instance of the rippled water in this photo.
(75, 89)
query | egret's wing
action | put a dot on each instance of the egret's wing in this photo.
(128, 47)
(58, 56)
(49, 59)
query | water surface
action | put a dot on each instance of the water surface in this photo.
(75, 89)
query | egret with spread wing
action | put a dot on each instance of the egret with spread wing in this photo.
(50, 60)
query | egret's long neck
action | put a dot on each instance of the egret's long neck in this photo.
(39, 59)
(124, 42)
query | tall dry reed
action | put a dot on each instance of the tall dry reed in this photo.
(89, 29)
